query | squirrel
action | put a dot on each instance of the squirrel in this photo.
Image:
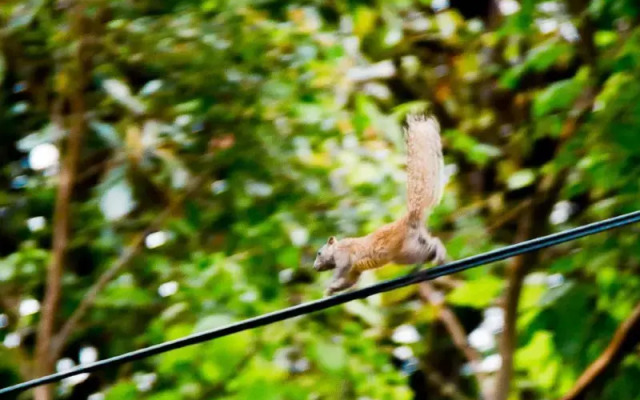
(405, 241)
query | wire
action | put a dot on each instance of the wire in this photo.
(322, 304)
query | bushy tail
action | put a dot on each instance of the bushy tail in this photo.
(425, 166)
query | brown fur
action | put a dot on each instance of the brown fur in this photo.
(405, 241)
(425, 166)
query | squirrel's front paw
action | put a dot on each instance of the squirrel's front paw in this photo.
(333, 289)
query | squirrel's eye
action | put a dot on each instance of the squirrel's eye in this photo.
(319, 252)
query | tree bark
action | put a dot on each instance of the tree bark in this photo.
(61, 216)
(532, 223)
(518, 269)
(457, 332)
(61, 223)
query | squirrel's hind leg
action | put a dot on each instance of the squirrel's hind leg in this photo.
(420, 247)
(423, 249)
(344, 278)
(436, 251)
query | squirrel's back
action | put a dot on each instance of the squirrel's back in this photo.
(425, 165)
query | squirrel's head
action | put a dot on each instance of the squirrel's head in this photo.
(325, 259)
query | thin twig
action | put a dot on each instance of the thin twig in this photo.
(510, 215)
(448, 282)
(625, 339)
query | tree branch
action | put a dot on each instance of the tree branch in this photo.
(125, 257)
(518, 269)
(586, 29)
(509, 216)
(447, 389)
(625, 339)
(61, 217)
(534, 223)
(455, 329)
(448, 282)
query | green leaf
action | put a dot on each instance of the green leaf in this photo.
(537, 351)
(166, 395)
(511, 77)
(537, 357)
(531, 296)
(478, 293)
(364, 20)
(173, 361)
(122, 391)
(605, 38)
(543, 57)
(121, 93)
(520, 179)
(7, 270)
(289, 257)
(117, 200)
(552, 295)
(330, 356)
(212, 322)
(107, 133)
(370, 314)
(482, 153)
(23, 14)
(614, 88)
(560, 95)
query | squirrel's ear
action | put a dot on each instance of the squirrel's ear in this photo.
(332, 240)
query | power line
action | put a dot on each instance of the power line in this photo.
(322, 304)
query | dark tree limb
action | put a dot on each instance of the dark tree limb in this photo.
(61, 231)
(579, 9)
(518, 269)
(446, 389)
(624, 341)
(455, 329)
(533, 222)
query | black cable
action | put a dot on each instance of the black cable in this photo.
(313, 306)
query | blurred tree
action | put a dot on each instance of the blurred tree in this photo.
(169, 167)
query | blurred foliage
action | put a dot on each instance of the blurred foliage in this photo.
(291, 112)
